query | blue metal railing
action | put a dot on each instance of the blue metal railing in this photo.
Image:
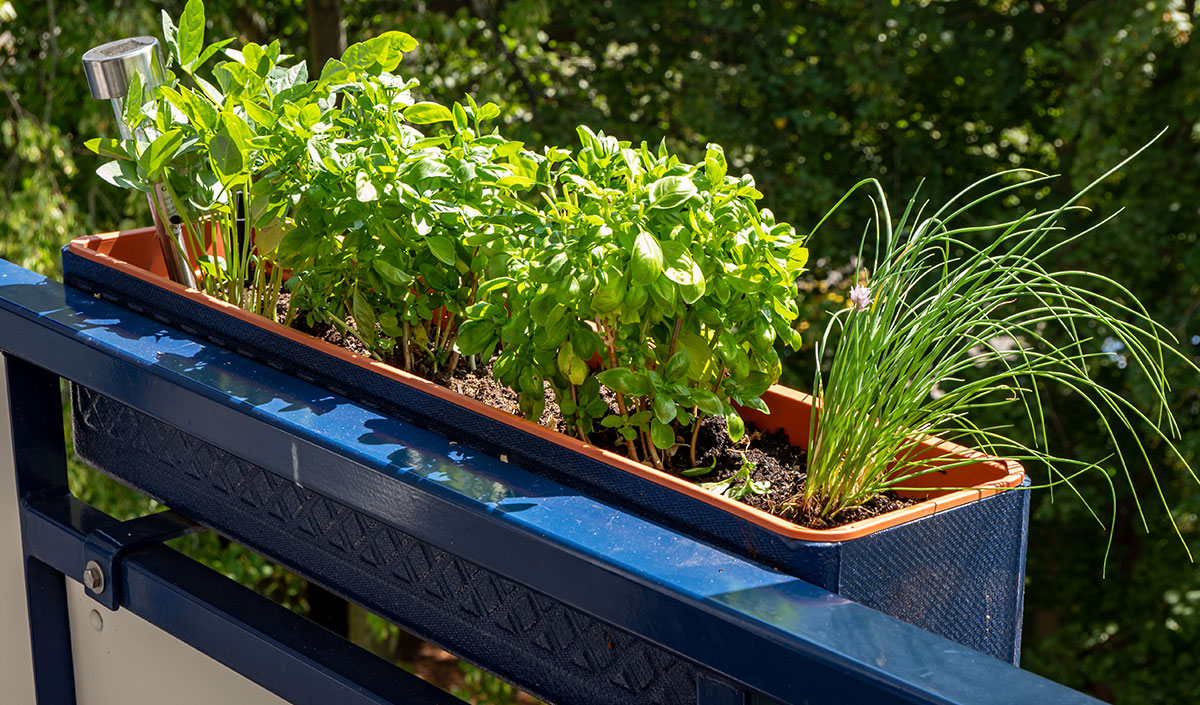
(564, 595)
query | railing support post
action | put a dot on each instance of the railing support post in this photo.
(40, 461)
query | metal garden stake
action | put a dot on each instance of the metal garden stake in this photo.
(109, 68)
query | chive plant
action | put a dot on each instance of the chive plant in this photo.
(954, 317)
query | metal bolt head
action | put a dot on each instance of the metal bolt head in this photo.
(93, 577)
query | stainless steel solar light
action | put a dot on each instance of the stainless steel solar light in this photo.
(109, 68)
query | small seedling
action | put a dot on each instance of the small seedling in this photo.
(740, 484)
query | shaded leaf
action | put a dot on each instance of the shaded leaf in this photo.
(442, 247)
(625, 381)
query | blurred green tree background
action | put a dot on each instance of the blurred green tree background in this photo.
(810, 97)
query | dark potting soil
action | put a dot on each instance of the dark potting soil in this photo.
(772, 457)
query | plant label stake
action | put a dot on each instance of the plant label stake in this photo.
(109, 68)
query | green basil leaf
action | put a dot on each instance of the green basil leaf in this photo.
(515, 181)
(122, 174)
(684, 271)
(334, 72)
(134, 98)
(210, 90)
(757, 404)
(714, 165)
(662, 434)
(475, 336)
(212, 49)
(389, 323)
(578, 372)
(664, 409)
(671, 192)
(170, 37)
(391, 273)
(756, 384)
(364, 189)
(530, 382)
(426, 113)
(442, 247)
(460, 118)
(565, 354)
(487, 111)
(492, 285)
(699, 352)
(609, 296)
(647, 259)
(737, 427)
(625, 381)
(191, 32)
(707, 401)
(268, 237)
(378, 54)
(611, 421)
(225, 155)
(679, 364)
(107, 147)
(162, 150)
(364, 318)
(507, 149)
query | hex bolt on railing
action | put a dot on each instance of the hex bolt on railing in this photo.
(93, 577)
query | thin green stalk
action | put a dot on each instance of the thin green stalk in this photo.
(938, 304)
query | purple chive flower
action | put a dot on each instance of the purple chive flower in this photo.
(860, 296)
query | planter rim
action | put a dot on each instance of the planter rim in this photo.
(1004, 474)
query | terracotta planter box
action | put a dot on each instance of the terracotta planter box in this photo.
(953, 563)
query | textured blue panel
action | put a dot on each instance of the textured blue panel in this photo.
(547, 648)
(959, 573)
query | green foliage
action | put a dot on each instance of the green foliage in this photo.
(663, 272)
(814, 97)
(947, 329)
(393, 227)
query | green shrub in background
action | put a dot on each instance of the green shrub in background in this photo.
(812, 97)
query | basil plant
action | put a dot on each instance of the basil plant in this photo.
(395, 228)
(610, 273)
(663, 274)
(214, 151)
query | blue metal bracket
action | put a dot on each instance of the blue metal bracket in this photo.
(281, 651)
(104, 548)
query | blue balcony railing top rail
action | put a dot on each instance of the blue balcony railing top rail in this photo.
(709, 627)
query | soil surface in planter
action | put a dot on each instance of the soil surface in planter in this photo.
(775, 460)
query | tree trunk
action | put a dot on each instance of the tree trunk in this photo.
(326, 33)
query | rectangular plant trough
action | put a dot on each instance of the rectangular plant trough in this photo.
(952, 564)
